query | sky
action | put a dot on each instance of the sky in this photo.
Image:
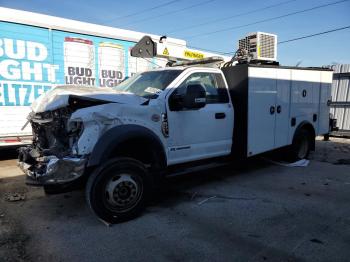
(196, 20)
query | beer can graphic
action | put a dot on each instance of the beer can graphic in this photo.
(137, 65)
(79, 61)
(111, 63)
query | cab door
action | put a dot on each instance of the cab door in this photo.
(196, 134)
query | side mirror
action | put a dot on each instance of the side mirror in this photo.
(195, 97)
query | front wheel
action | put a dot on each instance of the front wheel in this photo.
(117, 190)
(301, 145)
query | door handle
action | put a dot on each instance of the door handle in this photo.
(220, 115)
(279, 109)
(272, 110)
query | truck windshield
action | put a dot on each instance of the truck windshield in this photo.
(148, 84)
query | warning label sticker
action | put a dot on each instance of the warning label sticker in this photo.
(191, 54)
(165, 52)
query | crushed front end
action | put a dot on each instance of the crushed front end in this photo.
(51, 158)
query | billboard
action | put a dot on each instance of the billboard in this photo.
(33, 60)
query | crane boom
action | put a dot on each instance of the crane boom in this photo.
(148, 48)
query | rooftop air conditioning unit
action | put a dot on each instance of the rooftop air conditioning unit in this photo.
(259, 46)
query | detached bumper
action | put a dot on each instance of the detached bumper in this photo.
(49, 170)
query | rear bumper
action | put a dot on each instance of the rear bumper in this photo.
(49, 170)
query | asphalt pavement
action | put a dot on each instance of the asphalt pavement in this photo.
(256, 211)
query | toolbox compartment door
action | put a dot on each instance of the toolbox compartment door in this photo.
(282, 107)
(325, 98)
(262, 92)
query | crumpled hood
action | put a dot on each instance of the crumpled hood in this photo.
(59, 97)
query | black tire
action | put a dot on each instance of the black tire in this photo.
(117, 190)
(301, 146)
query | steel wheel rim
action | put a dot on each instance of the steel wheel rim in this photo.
(122, 192)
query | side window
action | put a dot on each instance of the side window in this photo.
(214, 86)
(222, 90)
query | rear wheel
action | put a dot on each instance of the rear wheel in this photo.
(301, 145)
(117, 190)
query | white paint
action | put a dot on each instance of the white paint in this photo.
(282, 125)
(19, 49)
(25, 70)
(11, 121)
(261, 96)
(325, 95)
(98, 119)
(273, 87)
(198, 132)
(9, 69)
(58, 97)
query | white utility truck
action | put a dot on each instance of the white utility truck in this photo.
(189, 115)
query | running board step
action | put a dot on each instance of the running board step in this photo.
(194, 169)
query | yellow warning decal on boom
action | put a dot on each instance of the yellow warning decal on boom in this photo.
(191, 54)
(166, 52)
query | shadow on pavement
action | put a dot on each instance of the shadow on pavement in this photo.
(174, 190)
(7, 153)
